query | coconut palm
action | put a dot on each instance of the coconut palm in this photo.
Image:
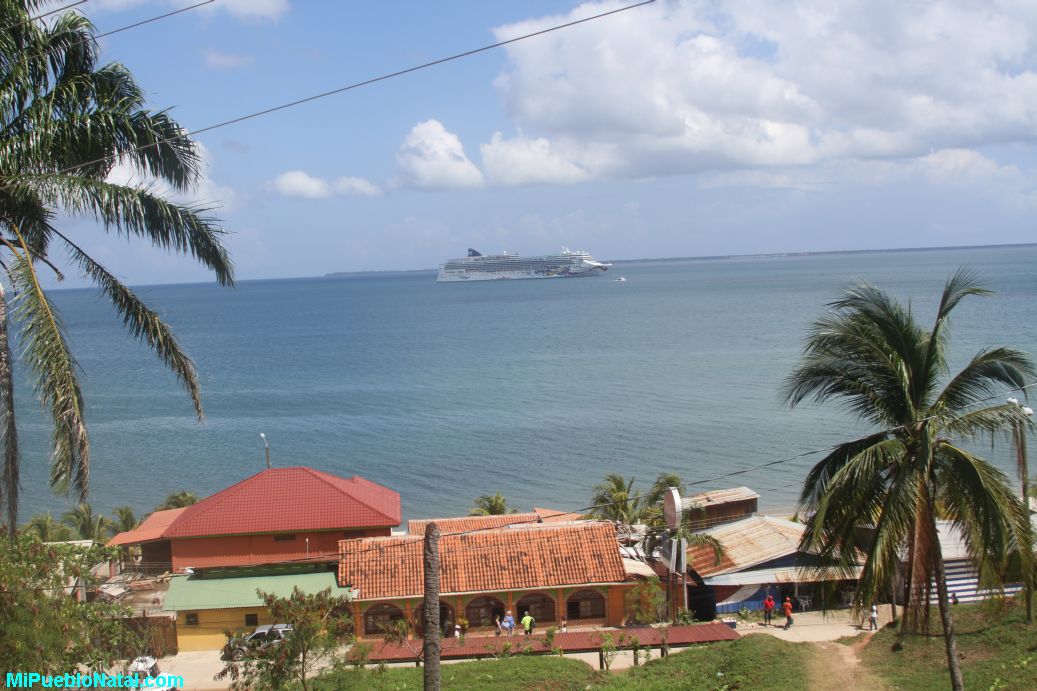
(178, 500)
(65, 122)
(614, 500)
(870, 353)
(491, 505)
(86, 525)
(123, 520)
(43, 526)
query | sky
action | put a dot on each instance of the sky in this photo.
(677, 129)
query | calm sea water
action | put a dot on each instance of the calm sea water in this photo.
(536, 389)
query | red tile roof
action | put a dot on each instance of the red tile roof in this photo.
(485, 561)
(289, 500)
(150, 529)
(463, 524)
(556, 516)
(572, 642)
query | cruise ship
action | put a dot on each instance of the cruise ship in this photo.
(479, 267)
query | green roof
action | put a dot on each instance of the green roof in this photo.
(194, 592)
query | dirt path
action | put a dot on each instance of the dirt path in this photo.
(836, 667)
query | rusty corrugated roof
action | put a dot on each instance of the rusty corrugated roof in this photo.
(747, 542)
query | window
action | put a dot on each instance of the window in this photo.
(192, 619)
(284, 537)
(483, 610)
(586, 604)
(251, 620)
(380, 616)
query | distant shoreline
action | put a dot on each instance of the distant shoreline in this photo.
(714, 257)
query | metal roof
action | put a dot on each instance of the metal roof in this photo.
(747, 542)
(194, 593)
(719, 496)
(787, 574)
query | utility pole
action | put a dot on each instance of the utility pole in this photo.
(267, 447)
(430, 647)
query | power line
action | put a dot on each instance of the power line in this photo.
(153, 19)
(349, 87)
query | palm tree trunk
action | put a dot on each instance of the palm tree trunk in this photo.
(951, 644)
(1024, 477)
(8, 430)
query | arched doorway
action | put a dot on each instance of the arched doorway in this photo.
(540, 606)
(446, 619)
(376, 618)
(482, 611)
(585, 604)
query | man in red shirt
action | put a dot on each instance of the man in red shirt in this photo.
(786, 607)
(768, 610)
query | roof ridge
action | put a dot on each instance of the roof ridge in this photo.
(197, 507)
(325, 478)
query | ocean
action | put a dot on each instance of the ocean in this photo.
(536, 389)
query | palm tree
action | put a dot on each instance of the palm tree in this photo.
(124, 520)
(43, 526)
(491, 505)
(66, 122)
(871, 354)
(177, 500)
(1019, 432)
(85, 525)
(614, 500)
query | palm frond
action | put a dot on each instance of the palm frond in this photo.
(54, 372)
(142, 322)
(987, 373)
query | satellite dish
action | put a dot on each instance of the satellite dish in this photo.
(672, 508)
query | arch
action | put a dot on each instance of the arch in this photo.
(482, 610)
(585, 604)
(446, 618)
(378, 616)
(541, 607)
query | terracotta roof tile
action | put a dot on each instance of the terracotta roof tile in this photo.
(485, 561)
(461, 524)
(290, 500)
(556, 516)
(150, 529)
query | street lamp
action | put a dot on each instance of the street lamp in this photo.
(267, 447)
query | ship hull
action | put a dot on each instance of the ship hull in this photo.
(504, 267)
(455, 276)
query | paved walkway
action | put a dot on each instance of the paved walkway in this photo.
(817, 626)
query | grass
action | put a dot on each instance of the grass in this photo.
(997, 649)
(753, 662)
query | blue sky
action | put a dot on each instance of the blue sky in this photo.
(677, 129)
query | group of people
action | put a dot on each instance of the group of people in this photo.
(768, 610)
(507, 624)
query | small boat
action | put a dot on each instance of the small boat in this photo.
(619, 280)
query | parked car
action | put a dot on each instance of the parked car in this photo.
(144, 666)
(264, 636)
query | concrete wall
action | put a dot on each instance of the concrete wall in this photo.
(208, 633)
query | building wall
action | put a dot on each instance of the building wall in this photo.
(208, 634)
(248, 550)
(722, 513)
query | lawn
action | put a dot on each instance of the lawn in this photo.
(524, 672)
(997, 648)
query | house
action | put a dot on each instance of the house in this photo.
(214, 601)
(292, 514)
(573, 571)
(708, 509)
(761, 555)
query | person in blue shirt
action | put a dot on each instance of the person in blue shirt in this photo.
(509, 623)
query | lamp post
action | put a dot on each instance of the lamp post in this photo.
(267, 447)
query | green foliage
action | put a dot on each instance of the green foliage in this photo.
(177, 500)
(320, 625)
(47, 529)
(85, 525)
(359, 654)
(869, 353)
(608, 650)
(517, 673)
(491, 505)
(745, 614)
(684, 617)
(646, 602)
(45, 629)
(67, 121)
(123, 520)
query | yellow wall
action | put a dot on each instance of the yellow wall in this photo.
(208, 634)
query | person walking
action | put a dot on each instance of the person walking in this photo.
(768, 609)
(786, 608)
(496, 622)
(874, 617)
(509, 623)
(527, 623)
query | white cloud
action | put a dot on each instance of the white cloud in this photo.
(220, 60)
(433, 158)
(206, 193)
(298, 183)
(693, 86)
(523, 161)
